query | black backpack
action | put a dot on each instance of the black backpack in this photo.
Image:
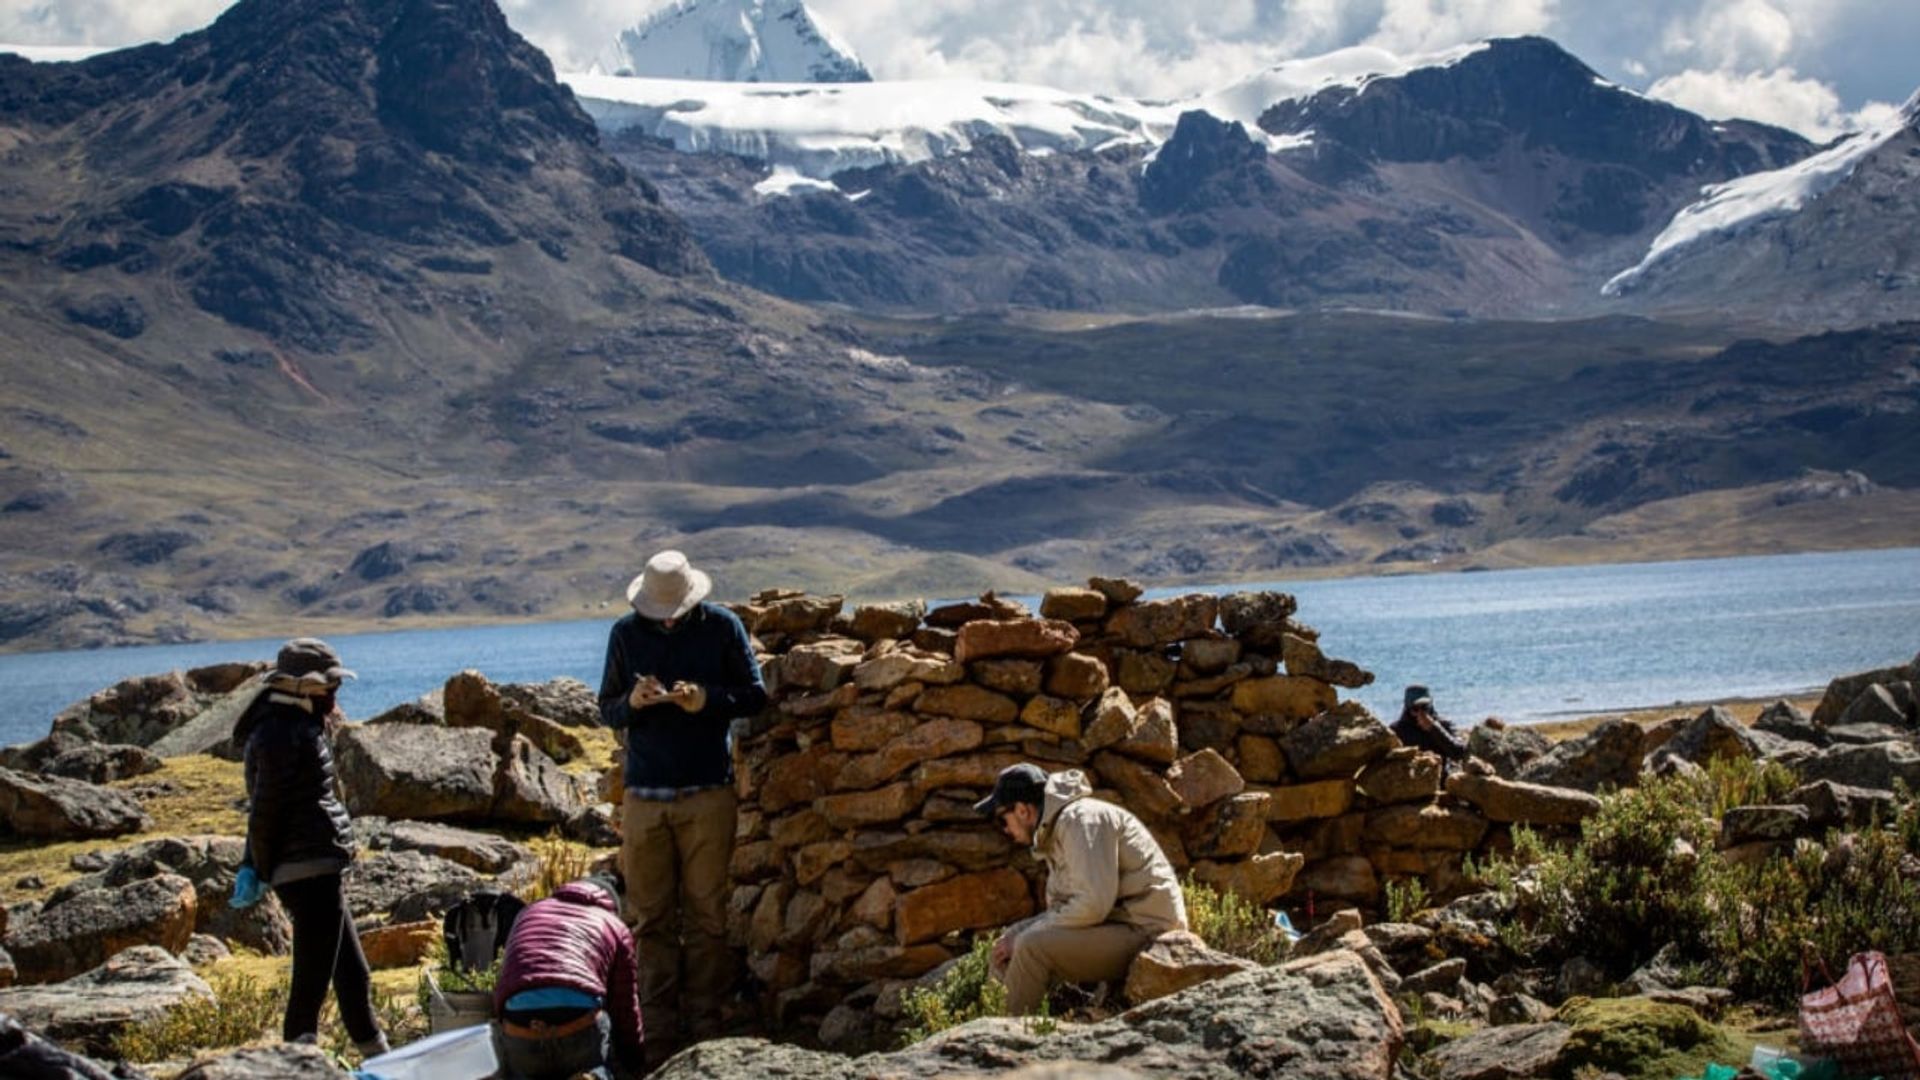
(476, 929)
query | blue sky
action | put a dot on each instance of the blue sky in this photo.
(1818, 66)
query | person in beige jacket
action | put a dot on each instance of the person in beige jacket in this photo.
(1110, 889)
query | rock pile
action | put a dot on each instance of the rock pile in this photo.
(860, 864)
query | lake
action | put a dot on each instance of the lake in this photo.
(1522, 644)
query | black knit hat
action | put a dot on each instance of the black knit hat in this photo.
(1022, 783)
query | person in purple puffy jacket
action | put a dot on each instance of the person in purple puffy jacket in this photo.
(568, 999)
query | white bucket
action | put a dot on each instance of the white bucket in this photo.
(455, 1010)
(462, 1054)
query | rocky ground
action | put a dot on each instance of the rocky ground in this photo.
(857, 879)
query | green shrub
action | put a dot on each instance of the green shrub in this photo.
(1405, 899)
(968, 991)
(242, 1010)
(1634, 881)
(1229, 922)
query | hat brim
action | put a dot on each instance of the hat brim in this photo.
(1419, 701)
(984, 807)
(332, 674)
(698, 586)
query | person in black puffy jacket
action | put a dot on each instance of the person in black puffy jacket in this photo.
(299, 840)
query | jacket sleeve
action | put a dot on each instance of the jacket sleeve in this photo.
(1447, 742)
(1089, 846)
(616, 680)
(623, 1004)
(742, 691)
(270, 780)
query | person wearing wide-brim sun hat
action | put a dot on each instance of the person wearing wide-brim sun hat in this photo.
(300, 841)
(678, 671)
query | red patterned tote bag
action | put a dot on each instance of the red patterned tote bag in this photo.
(1856, 1022)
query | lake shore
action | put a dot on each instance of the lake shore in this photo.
(1744, 709)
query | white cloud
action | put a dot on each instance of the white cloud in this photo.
(1416, 26)
(1771, 59)
(1780, 97)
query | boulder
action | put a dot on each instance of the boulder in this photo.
(1228, 828)
(1322, 1018)
(1202, 779)
(1753, 824)
(1307, 802)
(24, 1054)
(1162, 622)
(210, 731)
(1053, 715)
(1786, 720)
(1142, 790)
(1033, 638)
(1260, 620)
(1878, 704)
(1143, 673)
(404, 771)
(1342, 877)
(1510, 1052)
(1531, 804)
(87, 1011)
(1428, 825)
(815, 665)
(1713, 735)
(789, 613)
(405, 885)
(482, 852)
(1009, 675)
(79, 929)
(471, 701)
(1175, 961)
(1864, 734)
(1153, 737)
(937, 737)
(1074, 605)
(53, 808)
(399, 944)
(139, 711)
(9, 974)
(564, 700)
(1303, 657)
(1285, 700)
(1258, 879)
(1114, 719)
(1405, 774)
(1509, 749)
(1841, 691)
(66, 755)
(531, 789)
(1875, 766)
(1337, 743)
(268, 1063)
(968, 902)
(1118, 591)
(1076, 677)
(1607, 755)
(907, 666)
(883, 622)
(210, 863)
(1259, 759)
(989, 607)
(967, 702)
(1830, 804)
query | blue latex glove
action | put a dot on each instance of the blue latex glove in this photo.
(247, 888)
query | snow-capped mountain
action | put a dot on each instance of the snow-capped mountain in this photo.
(811, 132)
(1751, 201)
(741, 41)
(1827, 238)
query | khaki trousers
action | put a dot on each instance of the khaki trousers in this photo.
(675, 855)
(1046, 956)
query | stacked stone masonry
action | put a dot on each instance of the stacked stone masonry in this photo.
(860, 864)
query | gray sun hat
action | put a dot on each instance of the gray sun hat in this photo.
(310, 656)
(668, 588)
(1418, 695)
(1016, 783)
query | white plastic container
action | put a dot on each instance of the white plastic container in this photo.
(455, 1010)
(463, 1054)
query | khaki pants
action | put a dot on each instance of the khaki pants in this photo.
(675, 855)
(1088, 954)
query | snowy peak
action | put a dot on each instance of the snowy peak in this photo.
(761, 41)
(1910, 112)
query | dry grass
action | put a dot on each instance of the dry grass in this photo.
(204, 798)
(1745, 710)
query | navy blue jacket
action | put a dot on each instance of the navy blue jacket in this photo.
(668, 747)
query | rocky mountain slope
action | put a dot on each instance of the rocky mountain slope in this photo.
(1830, 237)
(340, 313)
(764, 41)
(1506, 180)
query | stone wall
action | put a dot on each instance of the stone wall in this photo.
(1217, 719)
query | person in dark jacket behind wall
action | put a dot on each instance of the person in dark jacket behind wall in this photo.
(1419, 726)
(568, 999)
(299, 842)
(678, 672)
